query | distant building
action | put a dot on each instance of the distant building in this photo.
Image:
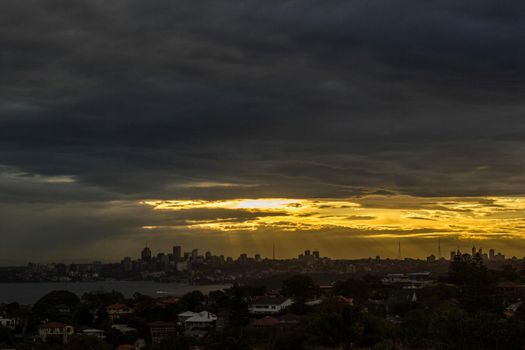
(182, 266)
(127, 264)
(10, 323)
(146, 254)
(202, 321)
(177, 253)
(124, 328)
(161, 331)
(55, 330)
(269, 305)
(116, 311)
(431, 258)
(93, 333)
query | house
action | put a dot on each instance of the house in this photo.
(288, 319)
(344, 300)
(266, 322)
(10, 323)
(314, 302)
(171, 300)
(185, 315)
(269, 305)
(510, 290)
(126, 347)
(93, 333)
(55, 330)
(123, 328)
(202, 321)
(161, 331)
(116, 311)
(139, 345)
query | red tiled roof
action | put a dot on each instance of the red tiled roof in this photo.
(508, 284)
(267, 321)
(126, 347)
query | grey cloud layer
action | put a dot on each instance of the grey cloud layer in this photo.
(134, 96)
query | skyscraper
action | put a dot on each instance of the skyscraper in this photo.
(146, 254)
(177, 253)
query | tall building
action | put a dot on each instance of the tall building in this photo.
(127, 264)
(146, 254)
(194, 253)
(315, 253)
(177, 253)
(492, 253)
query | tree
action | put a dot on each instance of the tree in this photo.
(47, 306)
(174, 342)
(100, 298)
(191, 301)
(86, 343)
(5, 336)
(239, 314)
(102, 320)
(353, 288)
(83, 316)
(299, 287)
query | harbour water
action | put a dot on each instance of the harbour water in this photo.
(29, 293)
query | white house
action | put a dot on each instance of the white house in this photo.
(99, 333)
(201, 321)
(8, 323)
(269, 305)
(123, 328)
(55, 330)
(185, 315)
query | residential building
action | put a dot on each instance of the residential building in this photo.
(269, 305)
(161, 331)
(99, 333)
(116, 311)
(10, 323)
(60, 331)
(202, 321)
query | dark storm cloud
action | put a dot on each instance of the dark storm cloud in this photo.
(137, 99)
(302, 98)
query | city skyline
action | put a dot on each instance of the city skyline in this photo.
(345, 126)
(179, 253)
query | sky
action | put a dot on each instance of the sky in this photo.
(342, 126)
